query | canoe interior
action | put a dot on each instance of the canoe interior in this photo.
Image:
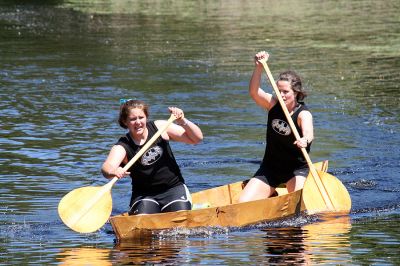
(230, 193)
(224, 195)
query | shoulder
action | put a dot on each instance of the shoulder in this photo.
(303, 110)
(119, 150)
(151, 124)
(123, 142)
(305, 114)
(275, 107)
(272, 103)
(123, 139)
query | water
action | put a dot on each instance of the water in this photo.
(66, 64)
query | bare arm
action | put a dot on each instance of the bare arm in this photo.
(111, 166)
(188, 132)
(260, 97)
(184, 131)
(305, 121)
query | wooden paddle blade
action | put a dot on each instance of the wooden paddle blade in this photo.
(313, 202)
(86, 209)
(322, 166)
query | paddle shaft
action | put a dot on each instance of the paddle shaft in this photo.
(107, 187)
(313, 171)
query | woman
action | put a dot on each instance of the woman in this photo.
(157, 182)
(283, 161)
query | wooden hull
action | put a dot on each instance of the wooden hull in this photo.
(235, 214)
(224, 211)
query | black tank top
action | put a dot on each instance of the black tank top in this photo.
(280, 152)
(156, 170)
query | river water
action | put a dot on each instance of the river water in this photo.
(66, 64)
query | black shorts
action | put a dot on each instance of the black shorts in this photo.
(275, 177)
(174, 199)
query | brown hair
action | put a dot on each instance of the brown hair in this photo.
(295, 83)
(127, 106)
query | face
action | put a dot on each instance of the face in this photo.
(287, 93)
(136, 121)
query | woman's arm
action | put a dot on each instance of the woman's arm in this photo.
(305, 121)
(111, 166)
(183, 131)
(260, 97)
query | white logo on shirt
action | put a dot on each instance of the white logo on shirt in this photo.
(152, 155)
(281, 127)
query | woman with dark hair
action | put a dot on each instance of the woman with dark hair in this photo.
(157, 182)
(283, 161)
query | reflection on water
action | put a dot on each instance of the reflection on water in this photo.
(285, 246)
(325, 242)
(322, 242)
(149, 250)
(375, 240)
(140, 251)
(143, 249)
(84, 256)
(328, 242)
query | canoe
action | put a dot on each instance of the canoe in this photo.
(220, 208)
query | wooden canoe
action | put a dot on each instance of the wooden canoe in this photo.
(222, 210)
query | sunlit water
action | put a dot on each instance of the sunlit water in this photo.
(66, 64)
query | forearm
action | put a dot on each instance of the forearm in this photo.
(307, 129)
(260, 97)
(192, 131)
(108, 170)
(255, 81)
(307, 126)
(308, 135)
(112, 165)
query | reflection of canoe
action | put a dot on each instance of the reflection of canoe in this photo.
(84, 256)
(327, 241)
(221, 209)
(147, 250)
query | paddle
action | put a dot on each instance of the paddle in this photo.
(86, 209)
(333, 196)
